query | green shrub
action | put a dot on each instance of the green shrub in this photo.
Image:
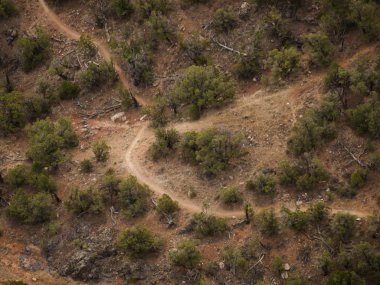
(86, 45)
(249, 66)
(224, 19)
(320, 47)
(283, 62)
(7, 9)
(318, 212)
(365, 119)
(101, 151)
(127, 99)
(42, 182)
(202, 88)
(264, 184)
(186, 255)
(231, 195)
(167, 205)
(140, 65)
(133, 196)
(54, 228)
(33, 50)
(209, 225)
(277, 266)
(358, 178)
(30, 209)
(68, 90)
(47, 141)
(277, 26)
(345, 277)
(156, 114)
(212, 150)
(364, 15)
(111, 183)
(18, 175)
(343, 226)
(159, 28)
(86, 201)
(147, 7)
(122, 8)
(295, 280)
(235, 260)
(138, 242)
(12, 112)
(166, 142)
(268, 222)
(297, 220)
(98, 75)
(325, 262)
(86, 166)
(337, 80)
(195, 48)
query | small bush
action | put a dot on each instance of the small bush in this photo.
(86, 166)
(318, 212)
(358, 178)
(166, 142)
(18, 176)
(268, 222)
(283, 62)
(321, 49)
(343, 226)
(224, 19)
(231, 195)
(68, 90)
(186, 255)
(33, 50)
(277, 26)
(98, 75)
(138, 242)
(264, 184)
(85, 201)
(122, 8)
(147, 7)
(42, 182)
(235, 260)
(365, 119)
(345, 277)
(101, 151)
(127, 99)
(209, 225)
(296, 220)
(133, 196)
(156, 114)
(195, 49)
(30, 209)
(7, 9)
(86, 45)
(277, 266)
(12, 112)
(249, 66)
(167, 205)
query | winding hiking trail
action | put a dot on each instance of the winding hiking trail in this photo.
(135, 166)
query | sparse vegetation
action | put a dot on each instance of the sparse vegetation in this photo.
(86, 166)
(209, 225)
(264, 184)
(101, 151)
(166, 205)
(87, 201)
(231, 195)
(224, 19)
(186, 255)
(166, 142)
(268, 222)
(283, 62)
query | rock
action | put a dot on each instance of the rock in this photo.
(34, 279)
(284, 275)
(221, 265)
(287, 266)
(244, 10)
(299, 203)
(118, 117)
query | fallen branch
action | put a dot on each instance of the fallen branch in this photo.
(257, 262)
(229, 48)
(107, 33)
(106, 110)
(356, 159)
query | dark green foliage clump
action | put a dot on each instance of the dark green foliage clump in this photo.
(166, 205)
(283, 62)
(186, 255)
(321, 49)
(264, 184)
(86, 45)
(7, 9)
(47, 141)
(249, 66)
(122, 8)
(231, 195)
(86, 201)
(345, 277)
(304, 177)
(358, 178)
(98, 75)
(195, 48)
(209, 225)
(224, 19)
(86, 166)
(30, 208)
(365, 119)
(147, 7)
(101, 151)
(166, 142)
(344, 226)
(212, 150)
(297, 220)
(133, 196)
(201, 88)
(137, 242)
(68, 90)
(12, 112)
(268, 222)
(33, 50)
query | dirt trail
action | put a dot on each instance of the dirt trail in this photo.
(135, 166)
